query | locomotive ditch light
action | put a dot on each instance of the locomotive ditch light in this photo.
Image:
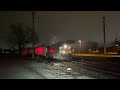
(63, 52)
(60, 47)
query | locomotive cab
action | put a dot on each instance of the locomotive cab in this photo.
(63, 53)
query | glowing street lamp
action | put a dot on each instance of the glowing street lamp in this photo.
(80, 44)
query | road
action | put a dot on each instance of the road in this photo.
(16, 68)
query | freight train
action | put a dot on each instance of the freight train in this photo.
(59, 51)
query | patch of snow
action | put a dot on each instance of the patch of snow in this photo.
(56, 64)
(69, 69)
(57, 70)
(83, 77)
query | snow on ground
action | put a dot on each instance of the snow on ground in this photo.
(57, 70)
(17, 68)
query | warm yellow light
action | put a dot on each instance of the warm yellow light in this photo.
(80, 41)
(63, 52)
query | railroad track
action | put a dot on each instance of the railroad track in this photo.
(106, 66)
(101, 68)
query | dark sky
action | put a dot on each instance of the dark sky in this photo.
(76, 25)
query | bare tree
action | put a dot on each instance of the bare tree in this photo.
(20, 36)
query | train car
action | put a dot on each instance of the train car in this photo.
(56, 51)
(40, 50)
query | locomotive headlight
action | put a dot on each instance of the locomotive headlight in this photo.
(60, 47)
(65, 46)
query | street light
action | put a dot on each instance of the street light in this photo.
(80, 45)
(80, 42)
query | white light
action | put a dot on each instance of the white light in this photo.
(116, 45)
(69, 69)
(73, 50)
(60, 47)
(80, 41)
(65, 46)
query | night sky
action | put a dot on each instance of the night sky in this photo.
(64, 25)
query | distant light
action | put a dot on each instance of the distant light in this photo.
(73, 50)
(116, 45)
(80, 41)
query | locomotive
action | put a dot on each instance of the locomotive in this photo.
(59, 51)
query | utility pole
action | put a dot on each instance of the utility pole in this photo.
(104, 34)
(33, 45)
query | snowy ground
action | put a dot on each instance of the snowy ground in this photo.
(22, 68)
(57, 70)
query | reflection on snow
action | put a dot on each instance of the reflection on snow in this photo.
(57, 70)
